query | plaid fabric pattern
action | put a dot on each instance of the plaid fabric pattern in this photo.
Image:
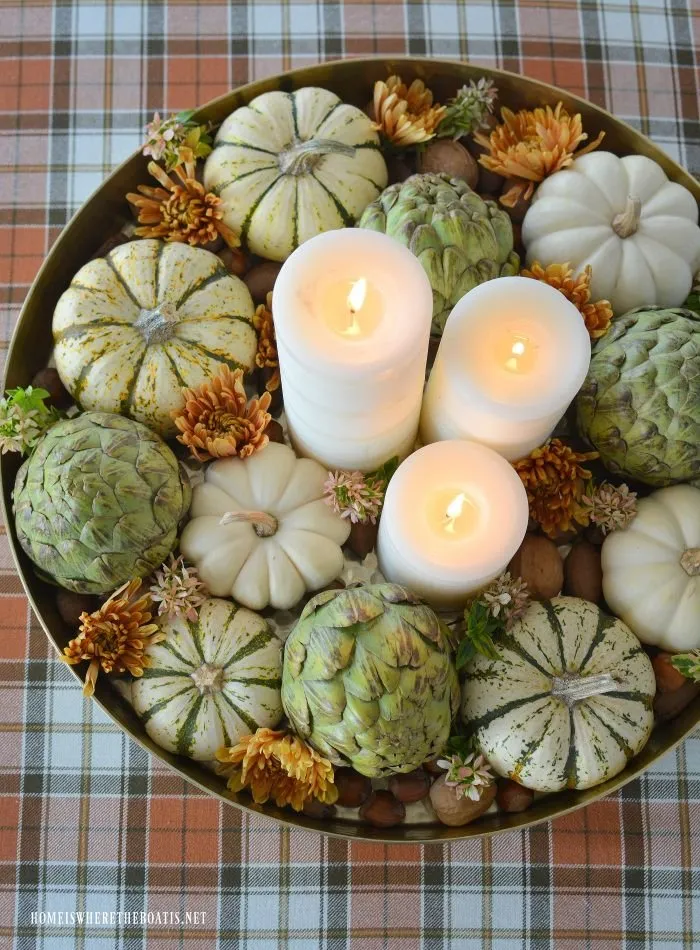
(88, 823)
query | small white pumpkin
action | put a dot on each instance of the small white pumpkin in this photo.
(278, 538)
(136, 326)
(569, 701)
(211, 681)
(293, 164)
(651, 570)
(638, 230)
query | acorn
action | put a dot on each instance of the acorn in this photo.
(49, 380)
(455, 810)
(353, 789)
(114, 240)
(275, 432)
(363, 537)
(449, 158)
(669, 705)
(513, 797)
(538, 562)
(261, 278)
(432, 767)
(410, 786)
(71, 605)
(400, 166)
(236, 262)
(313, 808)
(583, 574)
(383, 810)
(668, 678)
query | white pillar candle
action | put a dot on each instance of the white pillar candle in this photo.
(513, 355)
(454, 515)
(352, 315)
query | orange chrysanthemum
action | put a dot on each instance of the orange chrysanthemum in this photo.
(217, 421)
(266, 357)
(555, 482)
(406, 115)
(278, 766)
(577, 289)
(530, 145)
(115, 636)
(181, 210)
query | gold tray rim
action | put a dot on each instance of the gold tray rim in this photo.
(359, 72)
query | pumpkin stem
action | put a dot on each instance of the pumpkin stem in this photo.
(626, 222)
(264, 524)
(303, 157)
(208, 679)
(157, 325)
(690, 562)
(572, 689)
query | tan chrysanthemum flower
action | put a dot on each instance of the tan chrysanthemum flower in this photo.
(267, 343)
(555, 482)
(217, 421)
(115, 636)
(406, 115)
(278, 766)
(181, 210)
(530, 145)
(596, 316)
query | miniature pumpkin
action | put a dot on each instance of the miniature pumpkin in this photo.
(651, 570)
(136, 326)
(636, 229)
(293, 164)
(210, 681)
(567, 703)
(261, 531)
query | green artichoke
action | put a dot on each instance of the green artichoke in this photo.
(98, 502)
(640, 403)
(368, 679)
(460, 239)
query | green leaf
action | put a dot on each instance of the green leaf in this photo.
(185, 116)
(383, 475)
(482, 629)
(461, 745)
(688, 664)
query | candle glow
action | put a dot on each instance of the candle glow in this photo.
(356, 299)
(454, 511)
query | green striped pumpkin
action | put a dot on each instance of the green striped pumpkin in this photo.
(136, 326)
(210, 681)
(293, 164)
(568, 702)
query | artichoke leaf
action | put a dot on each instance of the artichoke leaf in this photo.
(357, 606)
(328, 650)
(326, 699)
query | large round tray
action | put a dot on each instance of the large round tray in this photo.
(103, 214)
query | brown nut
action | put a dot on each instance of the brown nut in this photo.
(432, 767)
(114, 240)
(400, 167)
(668, 678)
(236, 262)
(49, 380)
(353, 789)
(583, 575)
(383, 810)
(455, 811)
(274, 431)
(669, 705)
(261, 278)
(450, 158)
(538, 562)
(71, 605)
(411, 786)
(313, 808)
(363, 537)
(513, 797)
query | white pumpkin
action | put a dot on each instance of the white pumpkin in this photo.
(651, 570)
(279, 537)
(136, 326)
(210, 681)
(638, 230)
(569, 701)
(293, 164)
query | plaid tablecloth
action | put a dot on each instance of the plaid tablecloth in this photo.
(88, 823)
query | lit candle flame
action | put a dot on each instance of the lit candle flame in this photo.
(517, 349)
(453, 511)
(356, 298)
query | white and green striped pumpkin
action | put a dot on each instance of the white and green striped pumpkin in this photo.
(136, 326)
(293, 164)
(568, 703)
(210, 681)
